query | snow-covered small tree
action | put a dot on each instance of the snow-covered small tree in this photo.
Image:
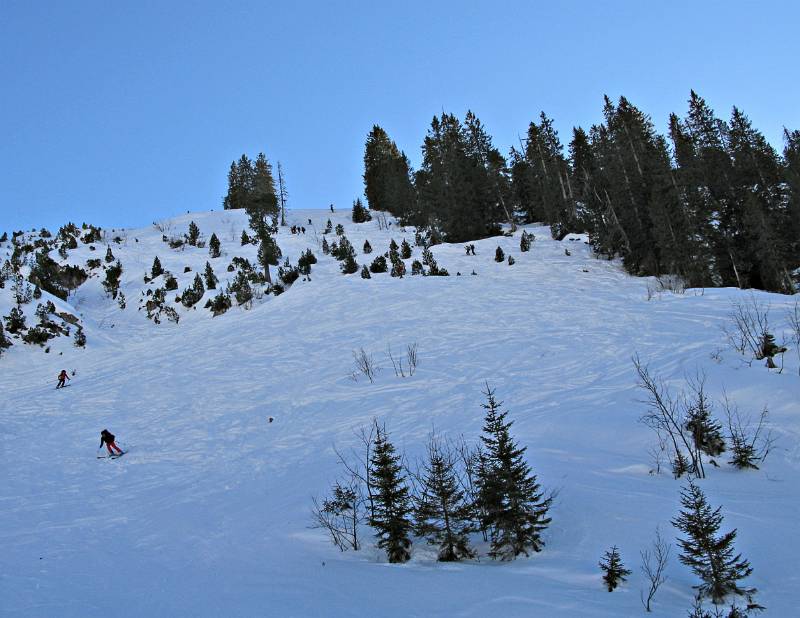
(392, 504)
(4, 342)
(109, 255)
(214, 248)
(398, 269)
(328, 227)
(365, 272)
(416, 267)
(367, 248)
(194, 234)
(326, 248)
(349, 265)
(378, 265)
(193, 294)
(111, 282)
(360, 214)
(499, 256)
(711, 556)
(339, 229)
(706, 432)
(219, 304)
(405, 250)
(240, 288)
(525, 241)
(442, 514)
(210, 278)
(514, 509)
(15, 321)
(245, 238)
(614, 572)
(80, 337)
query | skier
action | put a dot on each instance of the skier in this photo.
(107, 438)
(61, 378)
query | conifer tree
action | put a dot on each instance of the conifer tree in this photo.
(392, 505)
(709, 555)
(367, 248)
(4, 342)
(360, 214)
(349, 264)
(512, 505)
(213, 246)
(328, 227)
(156, 270)
(614, 572)
(245, 238)
(109, 255)
(387, 175)
(210, 278)
(80, 337)
(525, 242)
(15, 321)
(365, 272)
(706, 431)
(325, 247)
(405, 250)
(193, 294)
(442, 514)
(378, 265)
(499, 256)
(194, 234)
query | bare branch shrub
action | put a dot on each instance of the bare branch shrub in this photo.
(365, 364)
(397, 363)
(360, 470)
(341, 513)
(671, 283)
(751, 441)
(749, 330)
(793, 317)
(654, 562)
(412, 358)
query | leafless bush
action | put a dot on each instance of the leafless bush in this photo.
(793, 317)
(751, 441)
(397, 363)
(365, 364)
(412, 358)
(165, 227)
(672, 283)
(360, 469)
(749, 329)
(658, 454)
(341, 513)
(654, 561)
(382, 221)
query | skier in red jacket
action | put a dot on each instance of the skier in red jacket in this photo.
(62, 377)
(107, 438)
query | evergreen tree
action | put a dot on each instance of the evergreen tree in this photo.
(378, 265)
(325, 247)
(111, 282)
(513, 507)
(706, 432)
(525, 241)
(262, 211)
(156, 270)
(360, 214)
(708, 554)
(241, 289)
(192, 295)
(442, 513)
(80, 337)
(194, 234)
(365, 272)
(245, 238)
(213, 246)
(349, 264)
(387, 176)
(328, 227)
(15, 321)
(367, 248)
(614, 572)
(109, 255)
(392, 506)
(4, 342)
(405, 250)
(499, 256)
(210, 278)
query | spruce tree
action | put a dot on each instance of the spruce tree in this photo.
(392, 506)
(525, 241)
(367, 248)
(349, 264)
(4, 342)
(513, 507)
(156, 270)
(405, 250)
(378, 265)
(442, 514)
(109, 255)
(15, 321)
(709, 555)
(210, 278)
(360, 214)
(325, 247)
(245, 238)
(706, 431)
(614, 572)
(194, 234)
(387, 176)
(365, 272)
(499, 256)
(213, 246)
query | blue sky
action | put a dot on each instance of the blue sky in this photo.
(121, 113)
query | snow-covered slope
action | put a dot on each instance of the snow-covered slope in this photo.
(209, 512)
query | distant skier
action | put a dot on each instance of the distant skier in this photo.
(107, 438)
(331, 207)
(62, 378)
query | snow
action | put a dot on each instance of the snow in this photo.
(209, 512)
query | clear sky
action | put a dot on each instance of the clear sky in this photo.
(120, 113)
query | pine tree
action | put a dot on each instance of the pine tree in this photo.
(210, 278)
(499, 256)
(111, 282)
(80, 337)
(194, 234)
(213, 246)
(614, 572)
(192, 295)
(525, 242)
(706, 432)
(405, 250)
(392, 507)
(360, 214)
(4, 342)
(15, 321)
(328, 227)
(365, 272)
(367, 248)
(325, 247)
(109, 255)
(156, 270)
(245, 238)
(513, 507)
(709, 555)
(349, 264)
(387, 175)
(442, 514)
(378, 265)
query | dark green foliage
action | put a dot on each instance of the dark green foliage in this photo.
(51, 277)
(325, 247)
(416, 267)
(245, 238)
(367, 248)
(378, 265)
(614, 572)
(365, 272)
(387, 176)
(767, 348)
(210, 278)
(214, 246)
(62, 252)
(4, 237)
(339, 229)
(4, 342)
(170, 282)
(94, 234)
(360, 214)
(109, 255)
(156, 270)
(512, 505)
(442, 512)
(499, 256)
(328, 227)
(37, 336)
(511, 261)
(111, 281)
(15, 321)
(392, 504)
(193, 294)
(288, 274)
(194, 234)
(343, 250)
(80, 337)
(219, 304)
(706, 432)
(709, 555)
(37, 292)
(349, 264)
(405, 250)
(525, 241)
(398, 269)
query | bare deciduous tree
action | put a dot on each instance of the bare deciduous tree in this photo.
(412, 358)
(654, 561)
(365, 364)
(341, 513)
